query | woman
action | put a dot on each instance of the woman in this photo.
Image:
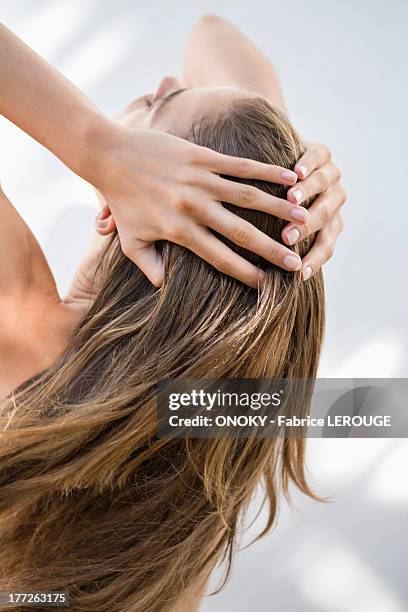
(99, 505)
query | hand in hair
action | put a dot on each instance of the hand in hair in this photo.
(155, 184)
(172, 189)
(319, 177)
(217, 53)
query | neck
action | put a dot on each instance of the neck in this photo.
(38, 348)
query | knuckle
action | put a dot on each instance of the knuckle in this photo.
(314, 150)
(322, 179)
(329, 250)
(343, 196)
(272, 253)
(339, 224)
(241, 236)
(255, 278)
(185, 205)
(193, 157)
(189, 176)
(324, 151)
(179, 204)
(247, 195)
(176, 234)
(243, 167)
(324, 215)
(222, 264)
(181, 175)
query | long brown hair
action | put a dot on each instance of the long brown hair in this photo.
(90, 499)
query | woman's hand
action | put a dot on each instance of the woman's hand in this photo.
(318, 176)
(159, 187)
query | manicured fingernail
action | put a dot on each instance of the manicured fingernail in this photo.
(292, 262)
(307, 273)
(289, 176)
(299, 214)
(293, 236)
(302, 170)
(297, 194)
(103, 223)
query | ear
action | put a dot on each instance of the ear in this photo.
(104, 222)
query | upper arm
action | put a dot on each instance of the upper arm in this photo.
(218, 54)
(23, 267)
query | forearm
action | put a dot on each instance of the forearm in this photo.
(217, 54)
(38, 99)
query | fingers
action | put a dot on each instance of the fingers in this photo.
(204, 244)
(145, 256)
(317, 182)
(321, 212)
(247, 196)
(319, 176)
(104, 222)
(315, 157)
(252, 239)
(200, 241)
(322, 248)
(250, 169)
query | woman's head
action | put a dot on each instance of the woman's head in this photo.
(101, 506)
(173, 107)
(239, 123)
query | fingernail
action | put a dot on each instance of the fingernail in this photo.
(103, 223)
(293, 236)
(289, 176)
(297, 194)
(292, 262)
(298, 213)
(302, 170)
(307, 273)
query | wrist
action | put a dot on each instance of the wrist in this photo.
(98, 137)
(110, 149)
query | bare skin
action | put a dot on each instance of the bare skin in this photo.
(36, 324)
(152, 174)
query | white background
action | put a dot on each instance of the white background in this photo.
(343, 66)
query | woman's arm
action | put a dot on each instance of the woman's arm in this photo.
(218, 54)
(22, 262)
(48, 107)
(145, 176)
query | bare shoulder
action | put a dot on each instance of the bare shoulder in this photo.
(28, 293)
(33, 334)
(22, 262)
(35, 325)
